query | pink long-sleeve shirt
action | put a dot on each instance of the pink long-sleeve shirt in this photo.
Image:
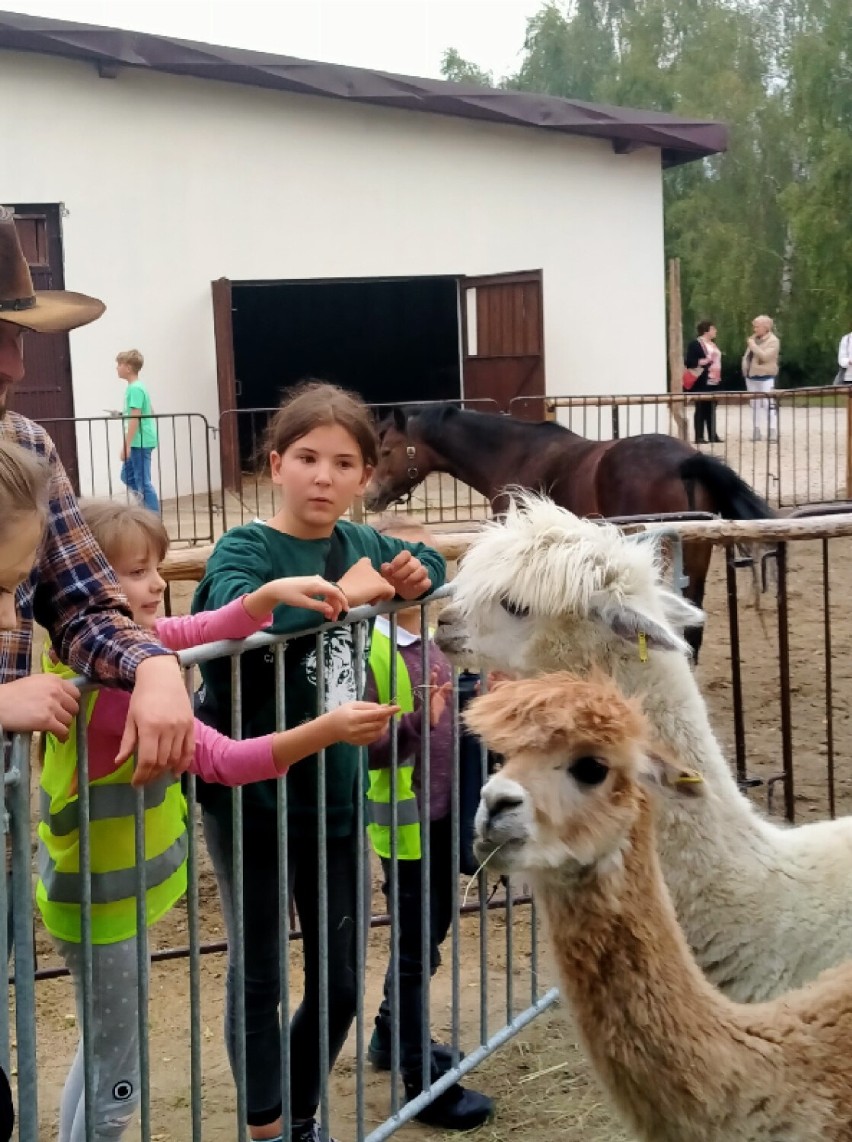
(217, 758)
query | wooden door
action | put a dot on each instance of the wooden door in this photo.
(46, 394)
(223, 335)
(503, 339)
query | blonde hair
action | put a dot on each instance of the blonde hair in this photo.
(24, 484)
(115, 525)
(766, 319)
(131, 357)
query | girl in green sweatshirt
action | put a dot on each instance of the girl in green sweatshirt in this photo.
(321, 450)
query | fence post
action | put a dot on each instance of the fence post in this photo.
(847, 391)
(678, 408)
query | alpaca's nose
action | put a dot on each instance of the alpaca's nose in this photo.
(501, 803)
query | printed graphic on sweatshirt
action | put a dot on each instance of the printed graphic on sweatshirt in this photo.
(340, 682)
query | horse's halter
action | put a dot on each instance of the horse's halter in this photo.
(413, 473)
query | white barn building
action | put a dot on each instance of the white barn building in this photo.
(409, 238)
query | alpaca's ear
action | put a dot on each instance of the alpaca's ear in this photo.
(661, 773)
(680, 612)
(632, 625)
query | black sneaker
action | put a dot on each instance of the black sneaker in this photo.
(379, 1054)
(307, 1132)
(455, 1109)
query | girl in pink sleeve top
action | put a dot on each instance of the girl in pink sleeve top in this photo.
(134, 541)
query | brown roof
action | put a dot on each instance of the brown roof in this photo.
(679, 140)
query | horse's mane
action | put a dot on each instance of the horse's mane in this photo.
(438, 417)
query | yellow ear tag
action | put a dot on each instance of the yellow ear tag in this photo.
(643, 647)
(689, 779)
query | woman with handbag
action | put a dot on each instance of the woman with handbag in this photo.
(704, 360)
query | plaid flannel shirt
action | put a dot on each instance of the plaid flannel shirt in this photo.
(72, 591)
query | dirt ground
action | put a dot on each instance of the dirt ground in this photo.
(542, 1085)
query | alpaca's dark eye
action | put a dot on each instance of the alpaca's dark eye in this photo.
(514, 609)
(588, 771)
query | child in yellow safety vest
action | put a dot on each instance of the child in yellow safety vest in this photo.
(457, 1108)
(135, 541)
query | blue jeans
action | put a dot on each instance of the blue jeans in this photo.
(136, 474)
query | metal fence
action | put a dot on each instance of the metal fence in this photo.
(802, 455)
(807, 461)
(181, 468)
(507, 936)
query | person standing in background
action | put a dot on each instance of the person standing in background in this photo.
(844, 360)
(140, 430)
(760, 371)
(703, 354)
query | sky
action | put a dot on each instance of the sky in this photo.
(406, 36)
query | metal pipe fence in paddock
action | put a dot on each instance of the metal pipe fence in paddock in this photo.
(181, 471)
(792, 445)
(773, 666)
(496, 947)
(439, 499)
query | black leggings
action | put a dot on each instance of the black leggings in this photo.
(705, 420)
(262, 992)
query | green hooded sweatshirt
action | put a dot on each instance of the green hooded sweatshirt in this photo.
(244, 559)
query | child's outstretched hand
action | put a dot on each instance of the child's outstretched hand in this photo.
(363, 584)
(407, 575)
(360, 723)
(310, 592)
(439, 697)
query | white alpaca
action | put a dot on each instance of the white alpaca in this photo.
(764, 908)
(682, 1063)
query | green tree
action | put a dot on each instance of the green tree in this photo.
(459, 70)
(764, 227)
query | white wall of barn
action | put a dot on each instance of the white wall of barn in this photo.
(170, 183)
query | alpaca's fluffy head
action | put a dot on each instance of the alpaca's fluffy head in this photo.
(576, 760)
(544, 589)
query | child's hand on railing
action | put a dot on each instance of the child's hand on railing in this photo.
(407, 575)
(360, 723)
(363, 584)
(310, 592)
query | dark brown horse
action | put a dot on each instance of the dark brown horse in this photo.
(639, 475)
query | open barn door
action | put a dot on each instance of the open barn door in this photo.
(223, 334)
(503, 340)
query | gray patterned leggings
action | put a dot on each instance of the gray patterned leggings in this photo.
(116, 1051)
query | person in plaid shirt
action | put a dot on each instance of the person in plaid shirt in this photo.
(72, 591)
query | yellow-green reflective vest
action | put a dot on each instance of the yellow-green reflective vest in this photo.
(380, 795)
(113, 843)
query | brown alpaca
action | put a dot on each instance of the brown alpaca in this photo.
(571, 808)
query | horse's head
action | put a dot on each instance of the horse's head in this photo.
(546, 590)
(404, 460)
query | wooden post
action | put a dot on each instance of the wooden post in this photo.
(847, 392)
(678, 408)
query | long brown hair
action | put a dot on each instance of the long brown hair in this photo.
(316, 404)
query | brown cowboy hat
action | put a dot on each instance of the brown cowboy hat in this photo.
(45, 311)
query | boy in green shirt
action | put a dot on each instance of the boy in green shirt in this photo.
(140, 430)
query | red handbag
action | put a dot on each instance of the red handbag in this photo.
(688, 379)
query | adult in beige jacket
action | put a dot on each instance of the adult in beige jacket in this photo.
(760, 370)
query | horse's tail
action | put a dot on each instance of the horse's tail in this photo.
(732, 497)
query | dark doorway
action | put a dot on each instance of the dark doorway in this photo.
(45, 394)
(390, 340)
